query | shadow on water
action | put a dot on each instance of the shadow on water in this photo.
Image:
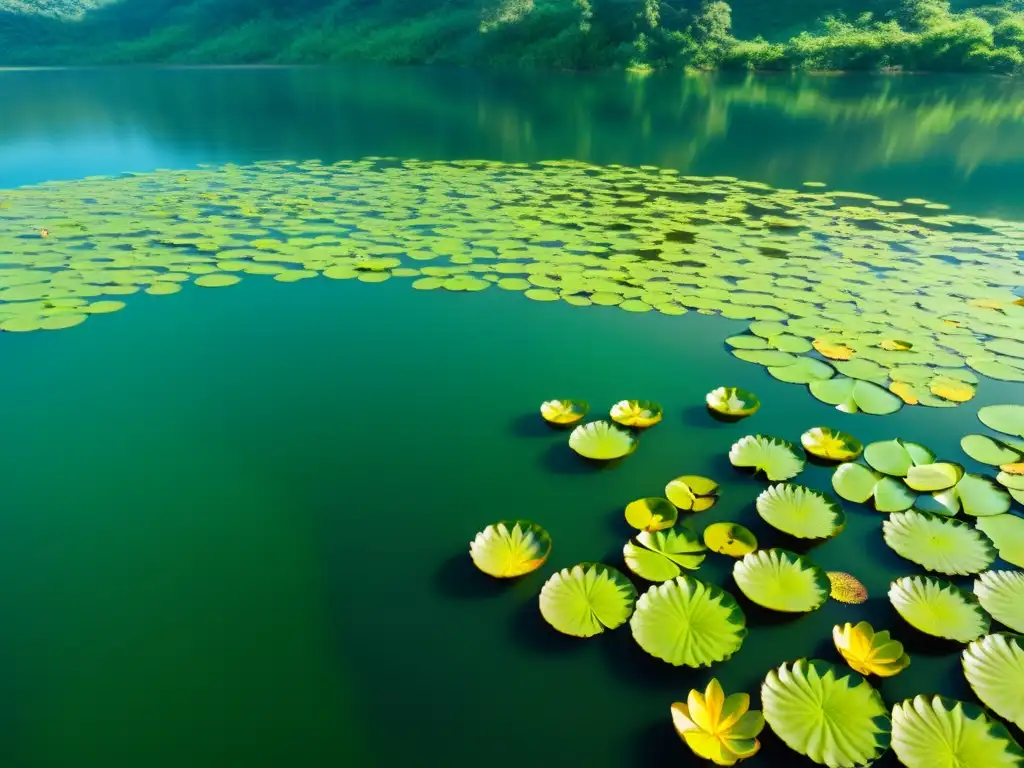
(459, 579)
(560, 458)
(634, 667)
(697, 416)
(758, 616)
(657, 745)
(531, 633)
(532, 425)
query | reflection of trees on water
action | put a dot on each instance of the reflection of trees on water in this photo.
(780, 129)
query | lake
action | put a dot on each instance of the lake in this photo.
(236, 522)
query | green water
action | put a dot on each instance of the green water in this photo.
(234, 523)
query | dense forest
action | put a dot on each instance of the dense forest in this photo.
(640, 35)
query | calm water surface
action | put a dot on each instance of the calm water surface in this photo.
(234, 523)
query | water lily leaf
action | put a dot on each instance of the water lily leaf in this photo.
(801, 512)
(730, 539)
(688, 623)
(994, 667)
(860, 368)
(833, 718)
(776, 458)
(602, 441)
(933, 477)
(988, 450)
(831, 444)
(895, 345)
(976, 495)
(1009, 347)
(852, 396)
(661, 555)
(939, 544)
(587, 599)
(931, 731)
(782, 581)
(636, 413)
(746, 341)
(803, 371)
(951, 389)
(896, 457)
(846, 588)
(563, 411)
(832, 351)
(855, 482)
(938, 608)
(786, 342)
(732, 401)
(870, 652)
(651, 514)
(692, 493)
(1007, 533)
(766, 328)
(510, 548)
(716, 727)
(995, 369)
(1008, 419)
(767, 357)
(1012, 481)
(1001, 593)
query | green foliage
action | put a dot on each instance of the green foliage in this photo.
(916, 35)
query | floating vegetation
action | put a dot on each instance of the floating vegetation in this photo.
(718, 728)
(688, 623)
(896, 457)
(846, 588)
(833, 718)
(602, 441)
(732, 402)
(831, 444)
(662, 555)
(854, 396)
(1001, 594)
(510, 548)
(587, 599)
(1007, 533)
(776, 458)
(938, 544)
(636, 413)
(870, 652)
(929, 731)
(1008, 419)
(782, 581)
(800, 511)
(994, 667)
(692, 493)
(730, 539)
(930, 478)
(652, 513)
(860, 484)
(938, 608)
(563, 412)
(976, 495)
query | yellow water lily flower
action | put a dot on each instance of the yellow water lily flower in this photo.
(636, 413)
(870, 652)
(722, 730)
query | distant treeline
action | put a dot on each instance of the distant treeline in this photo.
(912, 35)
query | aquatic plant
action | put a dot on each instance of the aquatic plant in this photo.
(896, 457)
(662, 555)
(858, 483)
(938, 544)
(692, 493)
(510, 548)
(782, 581)
(1001, 594)
(730, 539)
(652, 513)
(994, 667)
(800, 511)
(1007, 533)
(721, 729)
(776, 458)
(870, 652)
(587, 599)
(831, 444)
(846, 588)
(732, 402)
(563, 412)
(602, 441)
(938, 608)
(636, 413)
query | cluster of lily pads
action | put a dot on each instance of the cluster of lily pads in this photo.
(905, 302)
(830, 714)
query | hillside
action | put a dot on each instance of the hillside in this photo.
(564, 34)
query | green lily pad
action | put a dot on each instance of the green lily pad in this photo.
(636, 413)
(988, 450)
(602, 441)
(929, 478)
(803, 371)
(938, 608)
(994, 667)
(939, 544)
(1008, 419)
(732, 401)
(833, 717)
(652, 513)
(730, 539)
(1007, 533)
(688, 623)
(855, 482)
(831, 444)
(1001, 593)
(853, 396)
(800, 511)
(782, 581)
(563, 412)
(976, 495)
(661, 555)
(692, 493)
(896, 457)
(587, 599)
(510, 548)
(776, 458)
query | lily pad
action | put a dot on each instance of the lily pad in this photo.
(732, 401)
(855, 482)
(730, 539)
(563, 412)
(976, 495)
(782, 581)
(938, 544)
(1001, 593)
(661, 555)
(938, 608)
(988, 450)
(803, 371)
(688, 623)
(1007, 533)
(692, 493)
(718, 728)
(510, 548)
(833, 718)
(800, 511)
(602, 441)
(994, 667)
(934, 477)
(846, 588)
(896, 457)
(777, 459)
(869, 652)
(587, 599)
(636, 413)
(651, 514)
(831, 444)
(853, 396)
(1008, 419)
(932, 731)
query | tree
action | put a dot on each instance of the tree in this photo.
(713, 24)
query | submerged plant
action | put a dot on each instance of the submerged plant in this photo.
(721, 729)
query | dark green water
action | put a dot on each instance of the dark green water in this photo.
(234, 523)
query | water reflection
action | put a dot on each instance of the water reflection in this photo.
(959, 138)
